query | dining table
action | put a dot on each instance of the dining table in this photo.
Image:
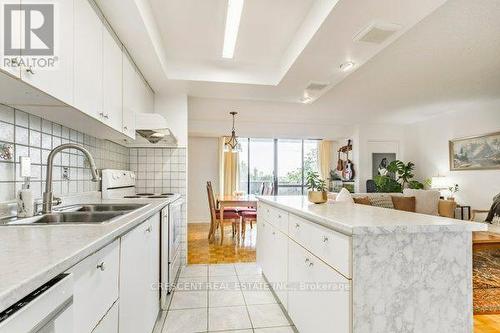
(233, 201)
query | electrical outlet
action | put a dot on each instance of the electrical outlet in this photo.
(65, 173)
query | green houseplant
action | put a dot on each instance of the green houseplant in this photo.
(317, 188)
(403, 174)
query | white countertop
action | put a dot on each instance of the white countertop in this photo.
(31, 255)
(352, 219)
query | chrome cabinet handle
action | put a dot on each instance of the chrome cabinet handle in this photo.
(297, 225)
(125, 128)
(307, 260)
(101, 266)
(149, 229)
(325, 239)
(274, 232)
(30, 70)
(106, 115)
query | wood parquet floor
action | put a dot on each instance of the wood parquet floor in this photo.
(487, 323)
(200, 251)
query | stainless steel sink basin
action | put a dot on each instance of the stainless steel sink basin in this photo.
(100, 208)
(77, 217)
(77, 214)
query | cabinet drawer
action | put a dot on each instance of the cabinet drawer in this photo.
(332, 247)
(263, 211)
(319, 300)
(108, 324)
(96, 287)
(275, 216)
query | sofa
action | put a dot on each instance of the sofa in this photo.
(426, 201)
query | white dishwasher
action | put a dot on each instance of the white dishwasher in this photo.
(48, 309)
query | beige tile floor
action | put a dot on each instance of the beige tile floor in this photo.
(218, 298)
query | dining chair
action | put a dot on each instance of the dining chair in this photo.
(229, 214)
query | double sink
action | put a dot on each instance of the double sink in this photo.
(77, 214)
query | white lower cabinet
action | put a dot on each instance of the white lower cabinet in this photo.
(317, 297)
(95, 287)
(320, 299)
(139, 277)
(109, 323)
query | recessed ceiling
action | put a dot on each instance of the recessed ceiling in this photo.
(331, 45)
(271, 36)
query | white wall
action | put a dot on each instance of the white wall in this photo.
(259, 119)
(427, 146)
(175, 110)
(203, 166)
(368, 139)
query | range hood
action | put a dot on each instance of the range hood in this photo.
(153, 128)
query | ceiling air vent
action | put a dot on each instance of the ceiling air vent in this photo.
(377, 32)
(316, 86)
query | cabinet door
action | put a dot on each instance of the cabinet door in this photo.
(95, 287)
(56, 81)
(10, 65)
(109, 323)
(129, 78)
(148, 98)
(139, 275)
(322, 303)
(112, 81)
(88, 59)
(277, 262)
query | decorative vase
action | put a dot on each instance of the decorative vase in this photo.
(317, 197)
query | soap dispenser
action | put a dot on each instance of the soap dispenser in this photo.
(25, 201)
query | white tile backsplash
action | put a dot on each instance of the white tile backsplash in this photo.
(35, 137)
(161, 170)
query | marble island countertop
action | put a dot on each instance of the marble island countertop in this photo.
(353, 219)
(31, 255)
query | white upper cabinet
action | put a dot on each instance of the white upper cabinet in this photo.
(57, 80)
(147, 98)
(112, 81)
(130, 78)
(9, 65)
(88, 59)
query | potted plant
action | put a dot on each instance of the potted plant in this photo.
(402, 177)
(317, 188)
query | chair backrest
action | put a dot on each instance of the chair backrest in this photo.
(262, 188)
(211, 201)
(270, 189)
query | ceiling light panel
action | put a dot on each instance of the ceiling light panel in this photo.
(233, 17)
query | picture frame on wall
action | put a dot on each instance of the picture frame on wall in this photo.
(480, 152)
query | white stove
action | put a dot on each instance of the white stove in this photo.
(120, 184)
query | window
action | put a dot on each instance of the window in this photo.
(283, 163)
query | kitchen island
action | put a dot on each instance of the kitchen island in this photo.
(342, 267)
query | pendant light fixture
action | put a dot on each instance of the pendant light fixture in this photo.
(232, 145)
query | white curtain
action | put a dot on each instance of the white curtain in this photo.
(228, 170)
(325, 158)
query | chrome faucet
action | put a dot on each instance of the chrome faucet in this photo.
(48, 197)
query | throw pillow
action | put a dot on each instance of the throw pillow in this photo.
(362, 201)
(383, 201)
(344, 196)
(427, 202)
(404, 203)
